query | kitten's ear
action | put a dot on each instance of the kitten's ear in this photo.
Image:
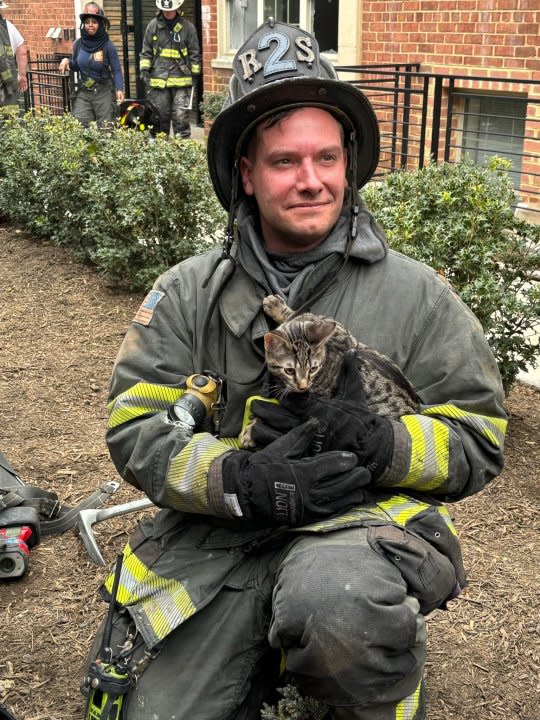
(274, 342)
(319, 332)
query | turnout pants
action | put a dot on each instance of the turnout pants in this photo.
(344, 609)
(172, 106)
(9, 102)
(96, 104)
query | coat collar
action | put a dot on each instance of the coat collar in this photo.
(242, 297)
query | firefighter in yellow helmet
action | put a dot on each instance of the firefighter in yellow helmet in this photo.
(169, 59)
(320, 558)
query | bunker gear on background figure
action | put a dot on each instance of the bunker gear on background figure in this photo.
(169, 59)
(12, 66)
(100, 82)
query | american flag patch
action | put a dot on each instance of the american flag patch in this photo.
(145, 313)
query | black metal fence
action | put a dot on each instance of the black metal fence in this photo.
(428, 117)
(424, 117)
(47, 88)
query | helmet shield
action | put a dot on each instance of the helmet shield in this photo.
(280, 67)
(169, 4)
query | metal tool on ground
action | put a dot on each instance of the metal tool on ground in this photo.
(88, 518)
(27, 513)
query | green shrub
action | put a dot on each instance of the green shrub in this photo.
(44, 162)
(459, 219)
(154, 205)
(212, 103)
(132, 206)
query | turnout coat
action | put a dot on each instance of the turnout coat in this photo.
(402, 308)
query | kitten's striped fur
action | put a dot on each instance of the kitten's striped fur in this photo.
(306, 353)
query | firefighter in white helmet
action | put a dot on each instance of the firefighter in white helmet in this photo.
(169, 59)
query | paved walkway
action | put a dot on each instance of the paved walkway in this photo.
(532, 377)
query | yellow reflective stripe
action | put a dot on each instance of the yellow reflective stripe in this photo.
(443, 512)
(429, 453)
(165, 602)
(352, 517)
(144, 64)
(179, 81)
(407, 708)
(401, 508)
(169, 53)
(233, 443)
(492, 428)
(141, 399)
(196, 69)
(171, 82)
(187, 476)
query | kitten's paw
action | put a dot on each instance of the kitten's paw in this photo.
(246, 441)
(276, 308)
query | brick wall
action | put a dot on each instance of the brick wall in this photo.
(494, 37)
(33, 20)
(483, 38)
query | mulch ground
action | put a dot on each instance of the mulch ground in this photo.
(61, 326)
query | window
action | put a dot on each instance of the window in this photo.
(285, 10)
(325, 24)
(317, 16)
(495, 126)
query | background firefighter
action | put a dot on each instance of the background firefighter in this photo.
(170, 56)
(13, 65)
(329, 561)
(95, 59)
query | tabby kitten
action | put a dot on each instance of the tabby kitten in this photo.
(306, 353)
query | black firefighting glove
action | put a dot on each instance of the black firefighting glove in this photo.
(346, 424)
(284, 485)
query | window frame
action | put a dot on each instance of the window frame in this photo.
(473, 136)
(304, 20)
(349, 32)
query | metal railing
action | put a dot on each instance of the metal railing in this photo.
(47, 88)
(430, 117)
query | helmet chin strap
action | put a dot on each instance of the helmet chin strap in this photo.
(231, 231)
(353, 185)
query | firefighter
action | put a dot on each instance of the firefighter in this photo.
(169, 59)
(328, 564)
(95, 59)
(13, 65)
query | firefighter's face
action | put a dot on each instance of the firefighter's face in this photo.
(296, 170)
(91, 25)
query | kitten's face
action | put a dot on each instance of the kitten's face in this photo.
(296, 351)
